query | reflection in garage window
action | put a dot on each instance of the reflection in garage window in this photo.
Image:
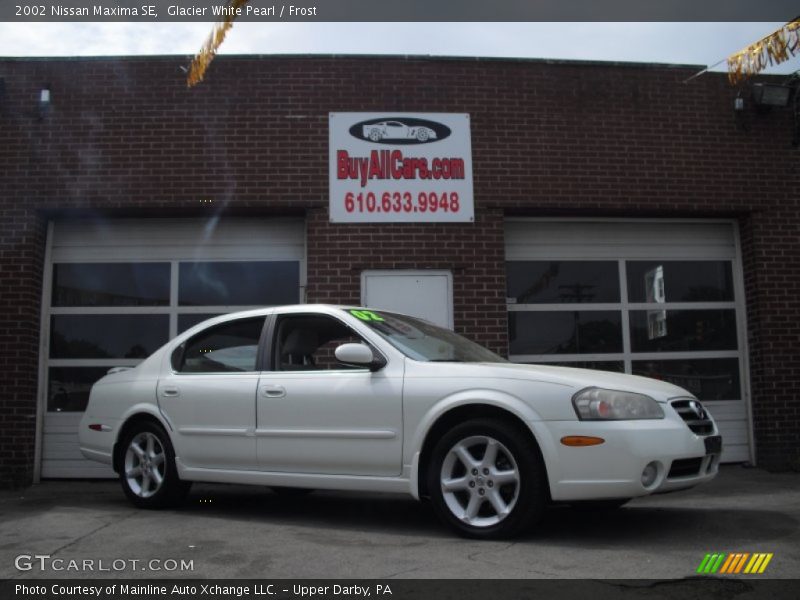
(111, 284)
(708, 379)
(107, 336)
(261, 283)
(689, 330)
(549, 282)
(189, 320)
(654, 322)
(565, 332)
(68, 387)
(614, 366)
(683, 281)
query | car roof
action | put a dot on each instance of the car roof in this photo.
(294, 308)
(329, 309)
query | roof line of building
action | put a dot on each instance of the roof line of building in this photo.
(408, 57)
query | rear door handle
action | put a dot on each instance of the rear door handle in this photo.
(170, 392)
(273, 391)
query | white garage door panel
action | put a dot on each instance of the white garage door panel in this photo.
(178, 239)
(144, 240)
(76, 469)
(61, 446)
(543, 239)
(622, 240)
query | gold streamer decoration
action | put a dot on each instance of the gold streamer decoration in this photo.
(205, 55)
(773, 49)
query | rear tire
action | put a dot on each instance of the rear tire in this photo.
(147, 471)
(486, 479)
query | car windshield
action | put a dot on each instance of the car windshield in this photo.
(424, 341)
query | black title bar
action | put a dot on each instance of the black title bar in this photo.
(154, 11)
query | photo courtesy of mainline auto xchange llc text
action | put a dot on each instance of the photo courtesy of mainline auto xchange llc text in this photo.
(397, 590)
(193, 590)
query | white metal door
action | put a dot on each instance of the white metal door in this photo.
(216, 417)
(424, 294)
(331, 422)
(316, 415)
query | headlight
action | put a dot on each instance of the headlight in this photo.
(597, 404)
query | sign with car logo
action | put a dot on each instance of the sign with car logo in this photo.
(400, 167)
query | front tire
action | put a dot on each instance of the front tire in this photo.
(147, 470)
(486, 479)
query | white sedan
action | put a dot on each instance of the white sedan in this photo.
(327, 397)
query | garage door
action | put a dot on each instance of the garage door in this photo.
(655, 298)
(116, 290)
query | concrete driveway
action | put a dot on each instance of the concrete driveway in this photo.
(229, 531)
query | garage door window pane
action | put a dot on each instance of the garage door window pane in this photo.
(68, 387)
(679, 281)
(682, 330)
(565, 332)
(708, 379)
(107, 336)
(556, 282)
(239, 283)
(111, 284)
(189, 320)
(614, 366)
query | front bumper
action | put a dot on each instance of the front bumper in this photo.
(614, 469)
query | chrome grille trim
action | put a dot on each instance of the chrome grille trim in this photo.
(694, 415)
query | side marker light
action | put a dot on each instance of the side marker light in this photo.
(579, 441)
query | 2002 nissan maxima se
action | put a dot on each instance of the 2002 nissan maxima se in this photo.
(356, 399)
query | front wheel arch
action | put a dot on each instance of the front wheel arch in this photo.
(457, 415)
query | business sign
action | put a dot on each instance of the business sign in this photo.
(400, 168)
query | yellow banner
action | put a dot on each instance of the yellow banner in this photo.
(774, 49)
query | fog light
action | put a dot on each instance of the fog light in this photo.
(649, 474)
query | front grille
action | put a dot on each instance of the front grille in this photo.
(685, 467)
(694, 415)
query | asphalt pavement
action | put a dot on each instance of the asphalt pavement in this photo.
(87, 529)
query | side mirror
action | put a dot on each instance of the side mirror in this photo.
(359, 355)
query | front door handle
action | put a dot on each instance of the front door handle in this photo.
(170, 392)
(273, 391)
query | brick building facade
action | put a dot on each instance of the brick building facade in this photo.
(553, 142)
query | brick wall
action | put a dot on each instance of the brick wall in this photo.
(125, 137)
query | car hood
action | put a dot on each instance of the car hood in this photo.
(576, 379)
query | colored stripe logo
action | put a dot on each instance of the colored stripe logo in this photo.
(734, 563)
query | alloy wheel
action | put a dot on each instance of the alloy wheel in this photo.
(480, 481)
(145, 464)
